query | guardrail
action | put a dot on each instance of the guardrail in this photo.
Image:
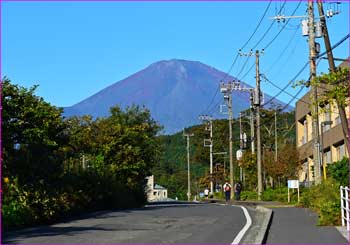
(344, 204)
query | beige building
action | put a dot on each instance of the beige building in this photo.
(331, 135)
(155, 192)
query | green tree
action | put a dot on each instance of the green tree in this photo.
(129, 145)
(338, 171)
(32, 132)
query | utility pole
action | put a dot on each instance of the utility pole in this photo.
(209, 127)
(332, 68)
(227, 89)
(258, 139)
(309, 30)
(188, 165)
(252, 129)
(229, 104)
(314, 110)
(276, 147)
(241, 144)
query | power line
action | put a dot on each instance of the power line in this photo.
(258, 25)
(287, 85)
(284, 50)
(304, 67)
(269, 28)
(284, 107)
(282, 90)
(218, 87)
(283, 26)
(249, 70)
(334, 46)
(245, 63)
(212, 100)
(263, 36)
(215, 106)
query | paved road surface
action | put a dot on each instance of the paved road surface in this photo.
(205, 224)
(298, 226)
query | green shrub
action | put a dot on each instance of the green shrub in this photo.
(339, 171)
(249, 195)
(324, 199)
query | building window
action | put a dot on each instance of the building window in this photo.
(304, 138)
(340, 152)
(154, 193)
(327, 157)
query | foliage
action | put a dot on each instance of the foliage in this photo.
(339, 171)
(287, 164)
(336, 85)
(56, 167)
(324, 199)
(249, 195)
(173, 161)
(32, 133)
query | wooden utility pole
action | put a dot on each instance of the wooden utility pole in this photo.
(314, 94)
(276, 146)
(252, 129)
(258, 139)
(208, 120)
(231, 141)
(227, 89)
(188, 165)
(332, 68)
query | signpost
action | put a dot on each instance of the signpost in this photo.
(293, 184)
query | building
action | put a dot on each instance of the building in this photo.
(331, 134)
(155, 192)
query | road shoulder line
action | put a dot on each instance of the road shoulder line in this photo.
(240, 235)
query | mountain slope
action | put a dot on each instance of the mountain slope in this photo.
(176, 92)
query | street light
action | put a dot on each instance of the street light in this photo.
(321, 158)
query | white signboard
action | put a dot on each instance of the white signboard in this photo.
(293, 184)
(239, 155)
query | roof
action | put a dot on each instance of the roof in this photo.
(159, 187)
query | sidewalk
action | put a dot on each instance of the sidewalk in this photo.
(292, 225)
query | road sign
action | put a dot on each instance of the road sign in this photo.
(293, 184)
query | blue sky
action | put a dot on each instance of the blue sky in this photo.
(74, 49)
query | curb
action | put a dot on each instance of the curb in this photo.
(262, 234)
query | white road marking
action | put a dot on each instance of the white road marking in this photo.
(245, 228)
(239, 236)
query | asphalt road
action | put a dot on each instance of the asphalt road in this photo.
(299, 226)
(185, 224)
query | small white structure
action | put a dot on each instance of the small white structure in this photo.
(345, 209)
(155, 192)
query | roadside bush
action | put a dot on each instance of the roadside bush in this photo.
(277, 194)
(339, 171)
(15, 209)
(23, 205)
(324, 199)
(249, 195)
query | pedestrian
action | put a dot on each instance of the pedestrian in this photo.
(206, 193)
(227, 189)
(238, 189)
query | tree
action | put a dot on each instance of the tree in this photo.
(127, 140)
(32, 132)
(287, 165)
